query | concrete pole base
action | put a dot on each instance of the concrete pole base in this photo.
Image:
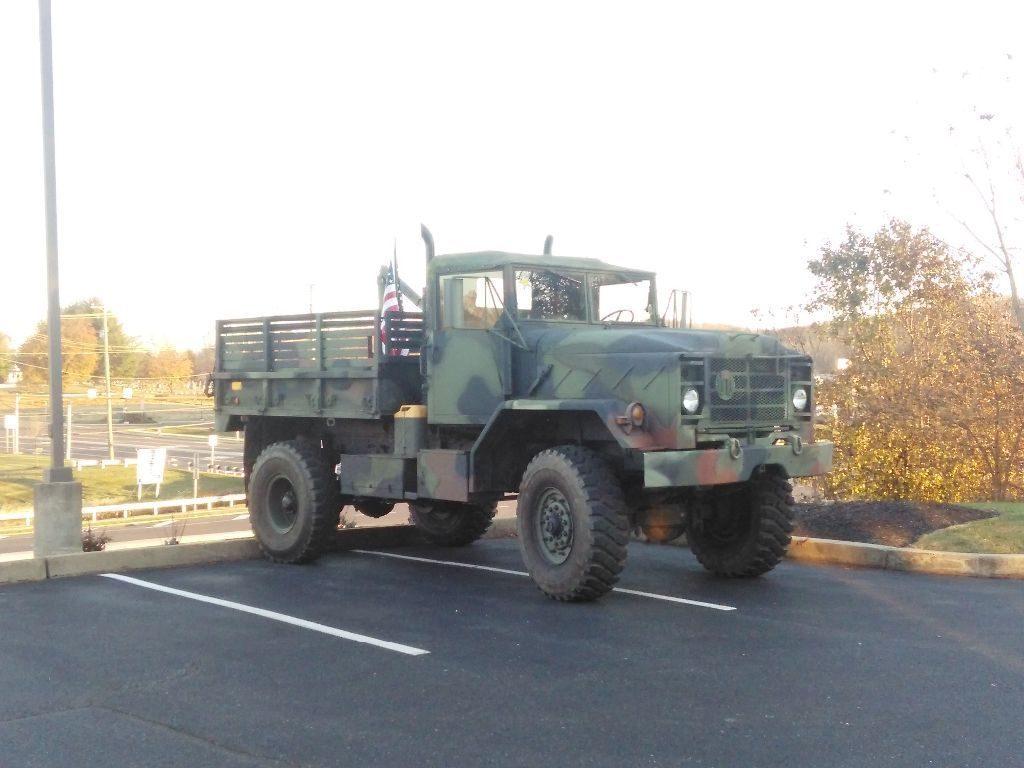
(58, 519)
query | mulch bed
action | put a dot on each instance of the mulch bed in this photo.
(894, 523)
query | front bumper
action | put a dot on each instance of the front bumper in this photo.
(733, 464)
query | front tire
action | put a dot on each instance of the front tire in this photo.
(294, 505)
(745, 531)
(451, 523)
(573, 524)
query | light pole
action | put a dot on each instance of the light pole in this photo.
(58, 499)
(67, 443)
(57, 472)
(106, 375)
(17, 422)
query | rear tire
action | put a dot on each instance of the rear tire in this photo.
(451, 523)
(294, 504)
(375, 508)
(573, 524)
(743, 532)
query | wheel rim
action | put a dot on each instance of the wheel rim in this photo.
(554, 526)
(726, 528)
(282, 504)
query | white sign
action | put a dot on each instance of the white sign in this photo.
(91, 393)
(212, 440)
(10, 422)
(127, 393)
(150, 469)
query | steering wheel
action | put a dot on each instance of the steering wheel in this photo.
(616, 315)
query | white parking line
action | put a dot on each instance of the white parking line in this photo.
(161, 525)
(634, 592)
(241, 517)
(273, 615)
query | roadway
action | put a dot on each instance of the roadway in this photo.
(89, 442)
(422, 656)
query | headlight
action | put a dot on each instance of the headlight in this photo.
(636, 414)
(800, 399)
(691, 401)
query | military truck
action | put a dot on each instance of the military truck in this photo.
(547, 379)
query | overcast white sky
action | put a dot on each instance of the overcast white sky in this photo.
(214, 158)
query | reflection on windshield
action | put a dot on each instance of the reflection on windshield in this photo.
(620, 300)
(547, 294)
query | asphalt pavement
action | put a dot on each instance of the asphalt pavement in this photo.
(89, 442)
(422, 656)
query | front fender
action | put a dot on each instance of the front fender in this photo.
(606, 410)
(499, 455)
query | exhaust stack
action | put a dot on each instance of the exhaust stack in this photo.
(547, 245)
(428, 240)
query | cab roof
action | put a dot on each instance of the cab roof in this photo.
(481, 260)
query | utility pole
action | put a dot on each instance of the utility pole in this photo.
(17, 422)
(58, 499)
(67, 445)
(106, 375)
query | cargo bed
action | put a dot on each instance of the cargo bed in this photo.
(340, 365)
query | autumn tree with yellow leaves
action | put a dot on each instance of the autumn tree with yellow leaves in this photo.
(79, 352)
(167, 369)
(932, 404)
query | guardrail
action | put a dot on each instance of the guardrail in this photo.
(230, 470)
(209, 502)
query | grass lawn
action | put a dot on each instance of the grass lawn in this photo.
(113, 485)
(999, 535)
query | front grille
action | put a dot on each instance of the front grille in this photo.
(747, 390)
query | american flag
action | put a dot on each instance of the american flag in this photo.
(392, 304)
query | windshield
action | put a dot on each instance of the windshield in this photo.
(550, 294)
(618, 298)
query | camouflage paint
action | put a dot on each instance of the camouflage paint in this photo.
(676, 469)
(443, 474)
(474, 381)
(325, 365)
(389, 477)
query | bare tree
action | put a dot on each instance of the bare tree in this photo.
(1000, 249)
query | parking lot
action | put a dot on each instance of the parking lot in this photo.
(406, 658)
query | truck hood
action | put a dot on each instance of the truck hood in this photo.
(572, 341)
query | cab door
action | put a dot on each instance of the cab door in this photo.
(468, 367)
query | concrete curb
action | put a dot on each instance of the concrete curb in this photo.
(13, 571)
(829, 551)
(163, 556)
(803, 549)
(854, 554)
(198, 553)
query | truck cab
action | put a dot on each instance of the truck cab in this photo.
(548, 379)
